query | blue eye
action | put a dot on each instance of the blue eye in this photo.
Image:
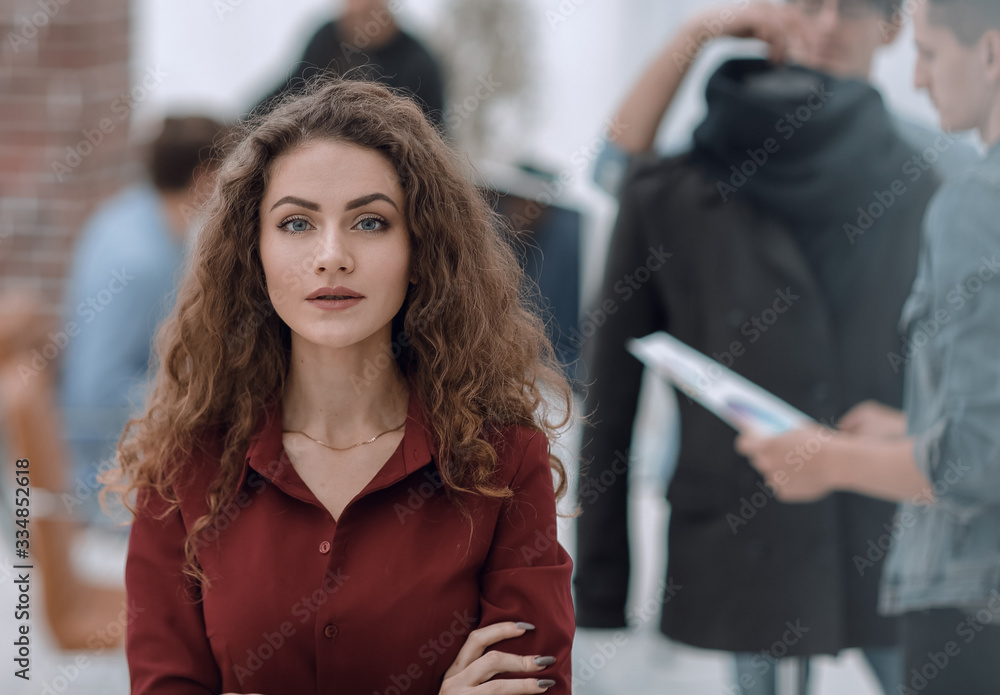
(295, 225)
(371, 224)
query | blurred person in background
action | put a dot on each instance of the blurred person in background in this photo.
(783, 243)
(821, 34)
(941, 458)
(121, 284)
(366, 39)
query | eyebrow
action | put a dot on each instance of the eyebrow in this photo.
(371, 197)
(356, 203)
(296, 201)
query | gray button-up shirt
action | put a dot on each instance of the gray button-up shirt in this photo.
(948, 553)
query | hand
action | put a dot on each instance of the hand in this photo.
(472, 668)
(873, 419)
(764, 21)
(794, 464)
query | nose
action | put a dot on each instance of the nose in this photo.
(334, 252)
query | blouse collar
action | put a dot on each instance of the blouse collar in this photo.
(266, 453)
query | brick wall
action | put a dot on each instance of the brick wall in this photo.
(65, 105)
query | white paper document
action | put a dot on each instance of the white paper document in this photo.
(736, 400)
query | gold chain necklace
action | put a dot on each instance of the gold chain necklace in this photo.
(352, 446)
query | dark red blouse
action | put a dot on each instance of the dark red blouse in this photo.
(376, 603)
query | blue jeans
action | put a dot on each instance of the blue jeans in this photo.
(757, 676)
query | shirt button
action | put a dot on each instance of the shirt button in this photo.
(324, 547)
(331, 630)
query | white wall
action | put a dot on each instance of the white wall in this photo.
(220, 55)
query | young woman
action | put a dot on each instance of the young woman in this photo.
(342, 477)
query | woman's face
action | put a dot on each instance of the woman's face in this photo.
(332, 217)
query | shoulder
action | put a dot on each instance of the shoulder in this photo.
(971, 195)
(521, 452)
(196, 469)
(415, 49)
(326, 33)
(950, 154)
(126, 228)
(961, 223)
(659, 181)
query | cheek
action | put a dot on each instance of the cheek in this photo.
(282, 269)
(395, 263)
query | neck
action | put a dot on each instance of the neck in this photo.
(339, 395)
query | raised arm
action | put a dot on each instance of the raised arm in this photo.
(639, 115)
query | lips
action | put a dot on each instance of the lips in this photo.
(338, 292)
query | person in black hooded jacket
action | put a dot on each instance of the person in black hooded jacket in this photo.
(784, 243)
(365, 42)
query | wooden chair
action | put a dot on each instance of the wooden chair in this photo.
(80, 614)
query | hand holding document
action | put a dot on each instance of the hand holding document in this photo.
(737, 401)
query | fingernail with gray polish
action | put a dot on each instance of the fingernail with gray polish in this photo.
(524, 626)
(545, 682)
(544, 660)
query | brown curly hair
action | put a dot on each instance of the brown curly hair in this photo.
(468, 339)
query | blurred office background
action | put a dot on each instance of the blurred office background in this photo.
(84, 82)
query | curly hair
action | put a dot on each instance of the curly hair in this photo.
(466, 338)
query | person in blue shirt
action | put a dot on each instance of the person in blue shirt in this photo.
(941, 456)
(121, 284)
